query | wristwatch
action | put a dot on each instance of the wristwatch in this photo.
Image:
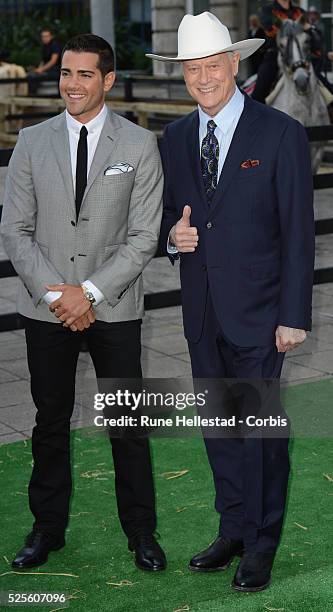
(88, 294)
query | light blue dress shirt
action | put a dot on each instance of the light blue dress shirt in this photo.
(226, 122)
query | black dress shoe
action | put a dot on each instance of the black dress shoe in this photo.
(36, 549)
(148, 553)
(254, 572)
(217, 557)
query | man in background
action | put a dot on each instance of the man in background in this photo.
(315, 20)
(271, 16)
(49, 65)
(256, 31)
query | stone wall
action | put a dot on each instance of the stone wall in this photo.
(167, 15)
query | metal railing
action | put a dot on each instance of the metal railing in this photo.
(164, 299)
(126, 80)
(124, 92)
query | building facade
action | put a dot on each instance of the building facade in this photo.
(167, 15)
(139, 26)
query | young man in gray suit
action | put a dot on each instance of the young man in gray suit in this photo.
(80, 222)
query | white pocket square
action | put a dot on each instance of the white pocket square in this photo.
(120, 168)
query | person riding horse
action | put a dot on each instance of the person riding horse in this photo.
(272, 16)
(297, 92)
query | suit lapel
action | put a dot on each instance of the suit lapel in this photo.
(243, 135)
(60, 144)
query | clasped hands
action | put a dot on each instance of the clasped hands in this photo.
(72, 308)
(186, 239)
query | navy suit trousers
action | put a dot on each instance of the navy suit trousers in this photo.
(250, 473)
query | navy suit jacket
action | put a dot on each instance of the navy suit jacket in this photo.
(256, 239)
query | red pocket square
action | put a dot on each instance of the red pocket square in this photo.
(250, 163)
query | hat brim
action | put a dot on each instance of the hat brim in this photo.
(244, 47)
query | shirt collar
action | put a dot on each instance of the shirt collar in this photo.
(92, 126)
(226, 116)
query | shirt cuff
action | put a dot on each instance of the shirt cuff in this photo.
(98, 295)
(51, 296)
(171, 248)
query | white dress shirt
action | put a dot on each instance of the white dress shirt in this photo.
(94, 128)
(226, 122)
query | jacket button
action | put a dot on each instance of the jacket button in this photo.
(73, 223)
(209, 225)
(204, 268)
(72, 258)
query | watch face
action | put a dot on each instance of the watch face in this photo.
(89, 295)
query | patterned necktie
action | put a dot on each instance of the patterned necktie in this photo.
(210, 151)
(81, 168)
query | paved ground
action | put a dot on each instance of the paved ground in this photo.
(164, 348)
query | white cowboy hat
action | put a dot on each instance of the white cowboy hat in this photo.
(204, 35)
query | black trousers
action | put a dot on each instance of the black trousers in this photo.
(53, 352)
(35, 79)
(250, 473)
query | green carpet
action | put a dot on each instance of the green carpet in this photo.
(101, 573)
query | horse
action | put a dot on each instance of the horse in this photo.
(298, 91)
(8, 90)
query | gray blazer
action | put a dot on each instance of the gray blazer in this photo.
(118, 226)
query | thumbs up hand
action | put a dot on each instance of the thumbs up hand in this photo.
(182, 235)
(185, 220)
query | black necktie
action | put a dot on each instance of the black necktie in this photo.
(81, 168)
(210, 151)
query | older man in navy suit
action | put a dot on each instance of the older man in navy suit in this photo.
(238, 211)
